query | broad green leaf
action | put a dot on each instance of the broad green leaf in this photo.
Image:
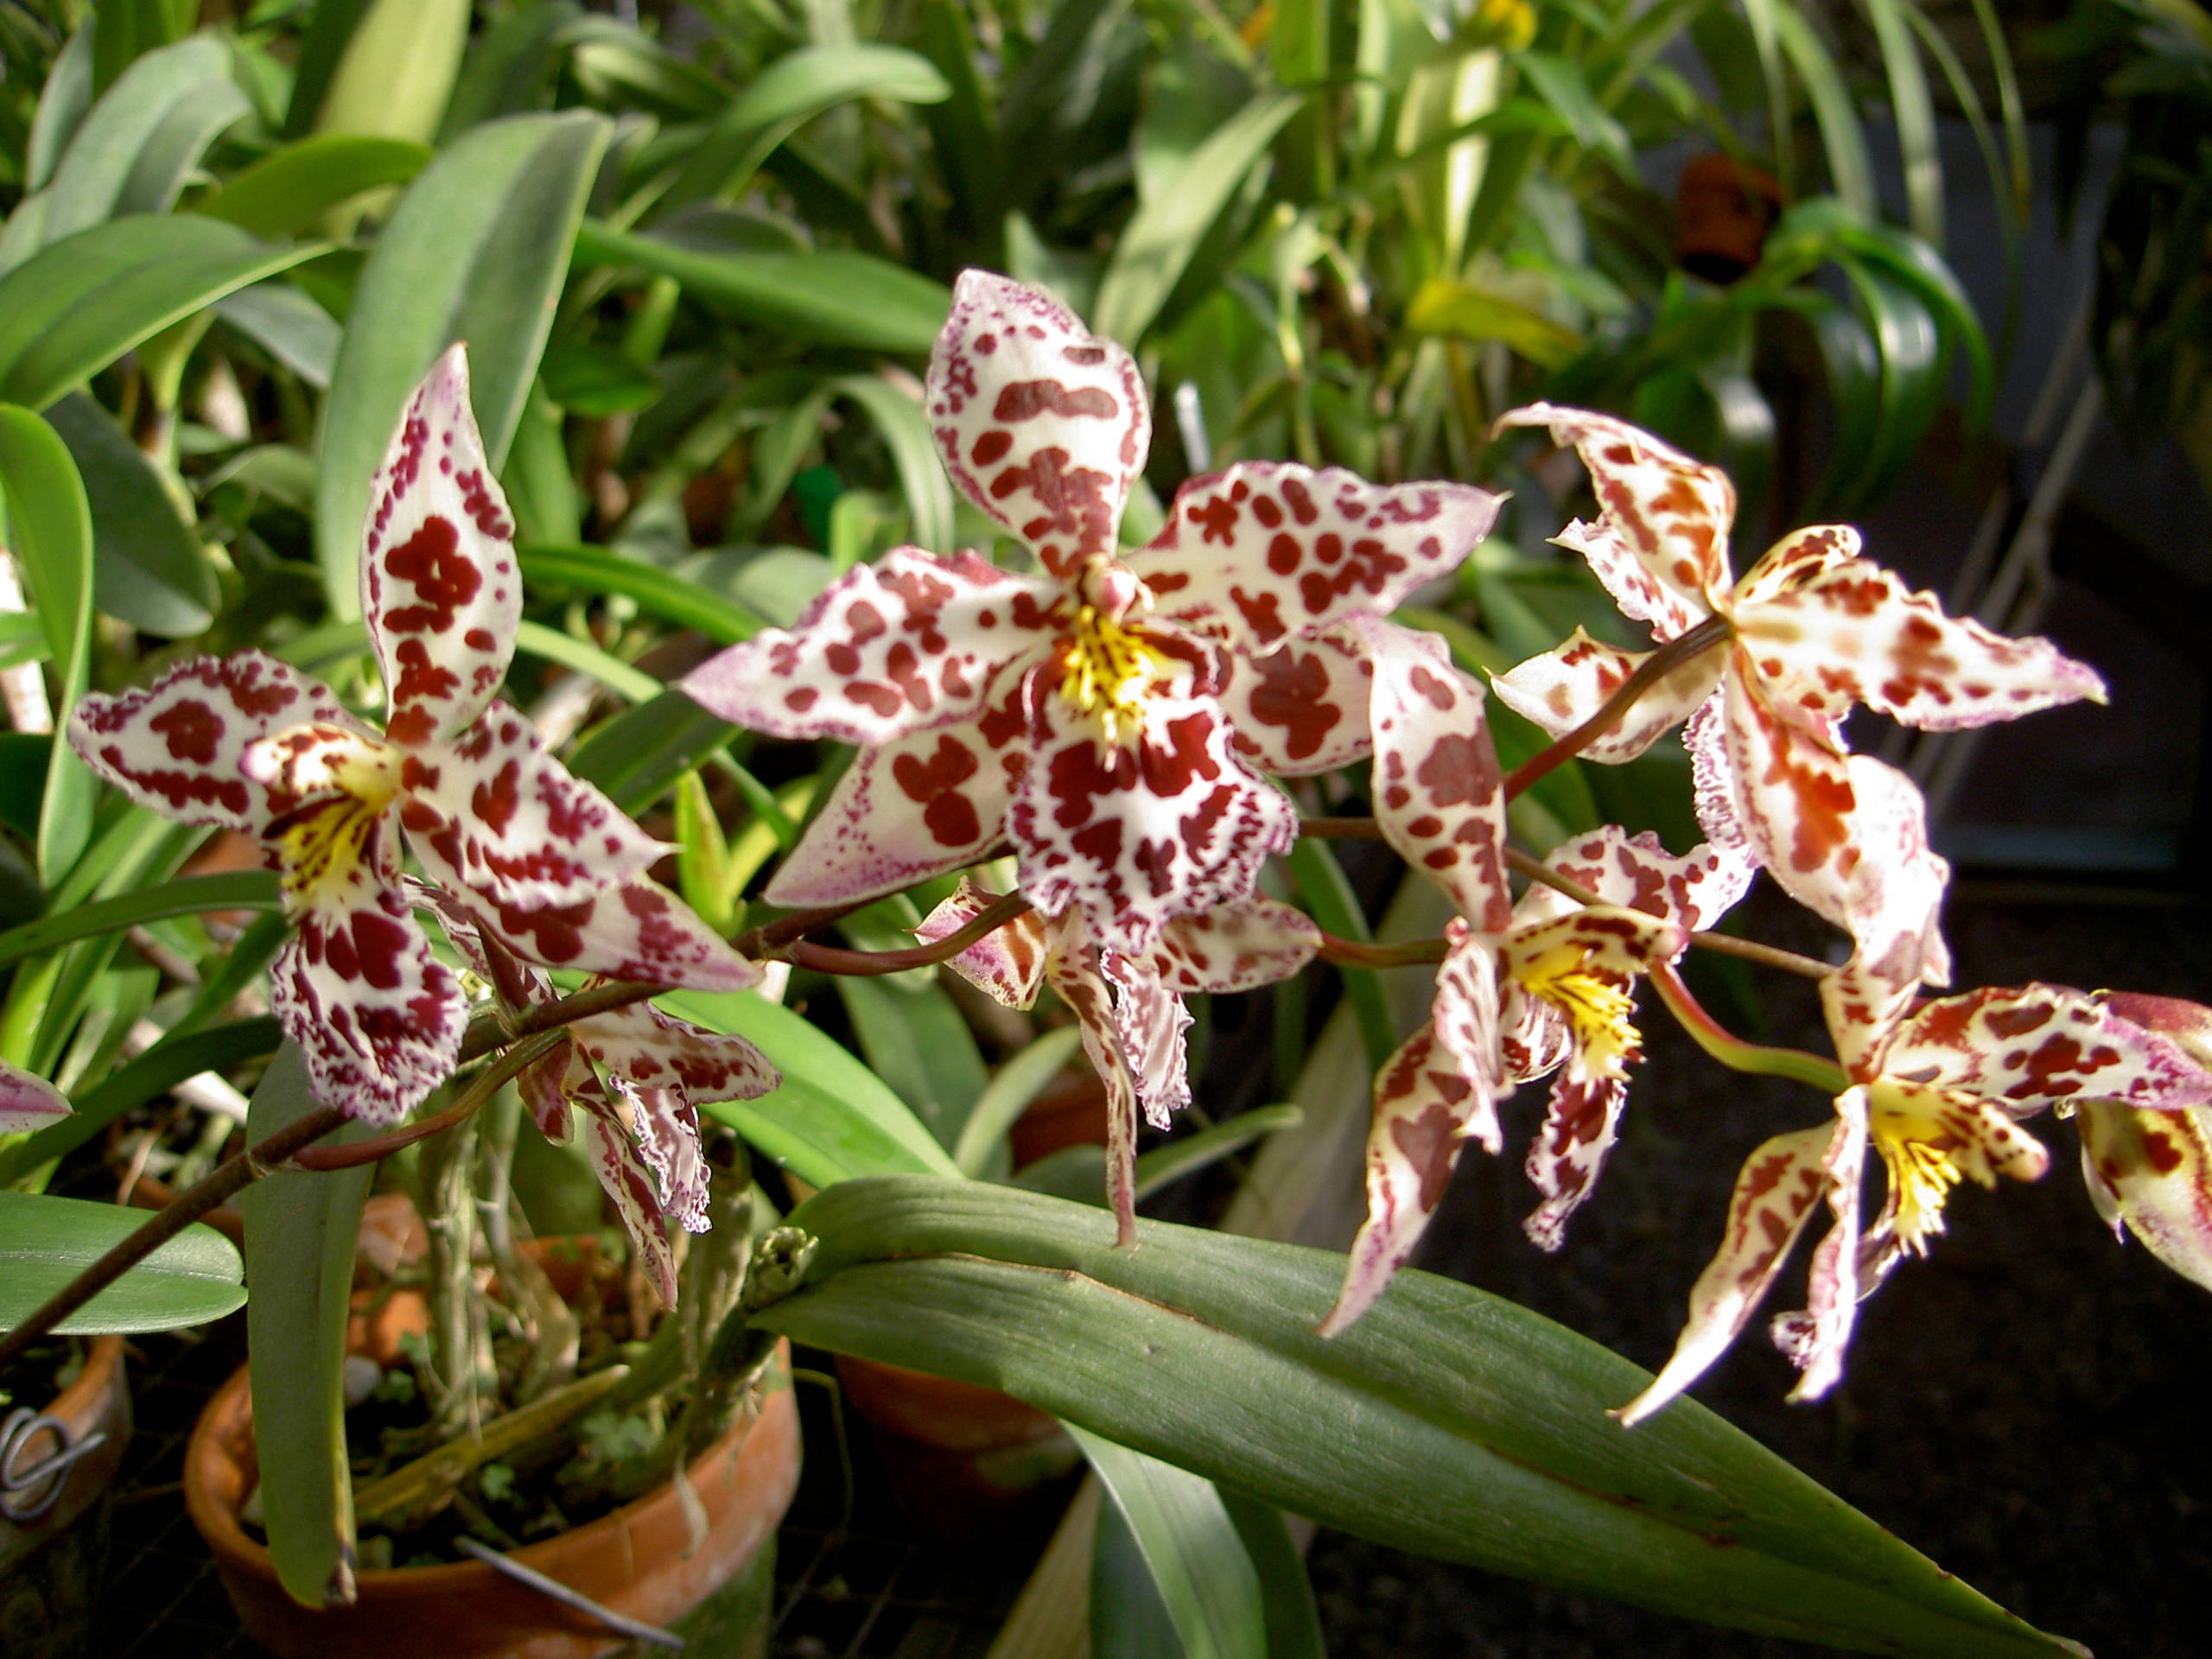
(130, 151)
(62, 103)
(1560, 83)
(292, 328)
(620, 67)
(46, 1242)
(1197, 1348)
(595, 380)
(833, 1119)
(124, 30)
(330, 26)
(397, 70)
(630, 684)
(1468, 312)
(827, 298)
(288, 191)
(1850, 172)
(1128, 1619)
(787, 94)
(299, 1231)
(192, 896)
(906, 433)
(50, 529)
(637, 756)
(476, 250)
(918, 1041)
(1155, 248)
(73, 308)
(1293, 1621)
(671, 598)
(1196, 1559)
(1012, 1088)
(508, 63)
(147, 567)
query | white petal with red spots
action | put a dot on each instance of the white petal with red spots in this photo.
(1007, 964)
(178, 745)
(656, 1051)
(1440, 798)
(1042, 424)
(1302, 708)
(1076, 978)
(439, 588)
(2032, 1047)
(1268, 550)
(1561, 688)
(1693, 890)
(617, 1159)
(1780, 1186)
(908, 642)
(1660, 545)
(2151, 1174)
(1234, 947)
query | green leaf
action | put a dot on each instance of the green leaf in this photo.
(1849, 170)
(788, 92)
(1293, 1621)
(1329, 898)
(397, 70)
(299, 1231)
(508, 64)
(147, 567)
(826, 298)
(1468, 312)
(286, 192)
(906, 433)
(1197, 1348)
(240, 890)
(1914, 112)
(1012, 1088)
(596, 571)
(1196, 1559)
(630, 684)
(918, 1041)
(295, 331)
(597, 380)
(833, 1119)
(50, 528)
(46, 1242)
(1560, 82)
(637, 756)
(1154, 250)
(329, 28)
(62, 103)
(476, 250)
(73, 308)
(1128, 1619)
(133, 147)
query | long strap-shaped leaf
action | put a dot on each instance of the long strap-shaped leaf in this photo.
(1447, 1421)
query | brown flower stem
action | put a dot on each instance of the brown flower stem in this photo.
(1663, 661)
(1352, 953)
(481, 1089)
(831, 959)
(225, 1179)
(1340, 828)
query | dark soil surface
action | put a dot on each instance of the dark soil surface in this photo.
(2025, 1405)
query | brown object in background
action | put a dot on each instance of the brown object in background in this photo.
(1724, 208)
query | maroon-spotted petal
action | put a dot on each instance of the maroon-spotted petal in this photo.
(1301, 708)
(1164, 822)
(176, 745)
(515, 825)
(1440, 798)
(1660, 544)
(1076, 978)
(1234, 947)
(666, 1127)
(27, 1101)
(1149, 1020)
(378, 1017)
(915, 807)
(1692, 891)
(906, 643)
(1423, 1107)
(618, 1159)
(1007, 964)
(1042, 424)
(1269, 550)
(439, 587)
(1814, 1339)
(2039, 1045)
(657, 1051)
(1563, 687)
(1780, 1186)
(2151, 1174)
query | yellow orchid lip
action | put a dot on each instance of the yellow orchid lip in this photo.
(351, 781)
(1108, 667)
(1598, 1010)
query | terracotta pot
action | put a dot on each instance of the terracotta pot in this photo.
(54, 1563)
(965, 1461)
(1725, 209)
(637, 1561)
(1071, 1112)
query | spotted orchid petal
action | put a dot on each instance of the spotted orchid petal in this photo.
(1465, 1014)
(1163, 822)
(913, 808)
(545, 1085)
(511, 822)
(1813, 1338)
(1780, 1186)
(1425, 1107)
(1302, 708)
(1863, 1001)
(906, 643)
(379, 1019)
(2151, 1174)
(439, 588)
(1007, 964)
(657, 1051)
(178, 746)
(1149, 1020)
(1234, 947)
(1561, 688)
(664, 1125)
(1082, 984)
(27, 1101)
(1660, 545)
(1439, 798)
(618, 1159)
(1796, 559)
(2039, 1045)
(1268, 550)
(1691, 891)
(1042, 424)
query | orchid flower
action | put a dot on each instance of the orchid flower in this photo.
(1810, 631)
(638, 1075)
(2149, 1171)
(1098, 714)
(1524, 990)
(247, 743)
(1128, 1006)
(1936, 1094)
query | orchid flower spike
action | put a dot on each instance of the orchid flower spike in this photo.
(249, 744)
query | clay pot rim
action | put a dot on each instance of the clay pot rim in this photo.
(218, 1523)
(102, 1370)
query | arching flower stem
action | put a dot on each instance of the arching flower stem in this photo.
(832, 959)
(1673, 654)
(1732, 1051)
(486, 1084)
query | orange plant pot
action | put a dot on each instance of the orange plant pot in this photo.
(53, 1566)
(638, 1562)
